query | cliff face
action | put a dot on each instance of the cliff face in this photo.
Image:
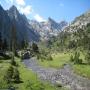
(23, 30)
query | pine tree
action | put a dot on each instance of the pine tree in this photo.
(87, 57)
(1, 41)
(5, 45)
(35, 48)
(13, 40)
(9, 74)
(16, 76)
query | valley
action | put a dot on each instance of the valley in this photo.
(47, 55)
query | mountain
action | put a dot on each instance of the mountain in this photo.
(48, 28)
(23, 30)
(22, 26)
(75, 36)
(79, 22)
(5, 24)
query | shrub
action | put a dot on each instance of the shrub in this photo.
(12, 74)
(3, 84)
(16, 76)
(71, 58)
(16, 54)
(4, 56)
(9, 74)
(58, 84)
(49, 57)
(35, 48)
(87, 57)
(7, 57)
(1, 58)
(80, 61)
(76, 58)
(13, 62)
(34, 85)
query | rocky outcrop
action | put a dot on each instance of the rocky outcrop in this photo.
(48, 28)
(23, 30)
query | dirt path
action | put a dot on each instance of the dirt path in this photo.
(65, 75)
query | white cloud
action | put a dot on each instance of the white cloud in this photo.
(20, 2)
(39, 18)
(61, 4)
(23, 7)
(25, 10)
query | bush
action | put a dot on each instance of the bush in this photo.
(12, 74)
(16, 76)
(16, 54)
(7, 57)
(1, 58)
(9, 74)
(4, 56)
(71, 58)
(49, 57)
(35, 48)
(80, 61)
(34, 85)
(58, 84)
(87, 57)
(3, 84)
(13, 62)
(76, 58)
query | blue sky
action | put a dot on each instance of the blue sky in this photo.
(42, 9)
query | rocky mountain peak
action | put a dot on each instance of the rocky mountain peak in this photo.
(13, 12)
(51, 21)
(13, 9)
(1, 7)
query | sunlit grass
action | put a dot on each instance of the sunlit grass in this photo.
(25, 75)
(83, 70)
(58, 61)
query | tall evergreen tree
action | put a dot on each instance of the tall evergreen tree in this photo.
(35, 48)
(13, 40)
(1, 41)
(5, 45)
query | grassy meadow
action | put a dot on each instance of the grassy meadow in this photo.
(29, 80)
(59, 59)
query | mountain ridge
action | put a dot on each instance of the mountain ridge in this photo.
(23, 30)
(47, 28)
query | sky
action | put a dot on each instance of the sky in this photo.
(40, 10)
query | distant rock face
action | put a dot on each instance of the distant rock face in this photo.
(79, 22)
(4, 24)
(23, 29)
(29, 30)
(47, 29)
(22, 25)
(32, 30)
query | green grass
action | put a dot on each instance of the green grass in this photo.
(26, 76)
(3, 68)
(29, 75)
(61, 58)
(83, 70)
(58, 61)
